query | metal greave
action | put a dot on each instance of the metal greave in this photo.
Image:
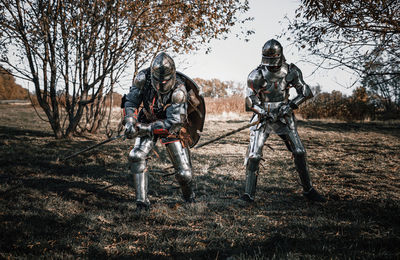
(252, 169)
(302, 169)
(137, 164)
(253, 158)
(300, 158)
(180, 157)
(141, 185)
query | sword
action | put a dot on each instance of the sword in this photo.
(93, 146)
(227, 134)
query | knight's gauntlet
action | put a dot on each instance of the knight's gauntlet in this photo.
(130, 129)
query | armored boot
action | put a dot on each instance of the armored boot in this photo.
(252, 169)
(185, 183)
(308, 190)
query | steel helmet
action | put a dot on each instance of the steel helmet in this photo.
(272, 54)
(163, 73)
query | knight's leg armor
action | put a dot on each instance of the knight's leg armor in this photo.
(252, 161)
(180, 157)
(137, 165)
(299, 153)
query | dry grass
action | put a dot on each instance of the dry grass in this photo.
(233, 104)
(84, 208)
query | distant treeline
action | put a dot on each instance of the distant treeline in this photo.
(361, 105)
(228, 96)
(216, 88)
(10, 90)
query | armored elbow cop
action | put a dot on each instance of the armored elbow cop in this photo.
(295, 78)
(248, 103)
(304, 95)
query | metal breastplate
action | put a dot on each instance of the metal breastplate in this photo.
(275, 86)
(153, 109)
(155, 104)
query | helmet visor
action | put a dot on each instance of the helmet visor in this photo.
(163, 85)
(272, 60)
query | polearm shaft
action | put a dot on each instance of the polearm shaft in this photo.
(92, 147)
(227, 134)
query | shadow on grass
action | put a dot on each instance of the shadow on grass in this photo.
(29, 230)
(342, 127)
(13, 132)
(85, 208)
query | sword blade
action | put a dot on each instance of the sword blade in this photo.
(227, 134)
(92, 147)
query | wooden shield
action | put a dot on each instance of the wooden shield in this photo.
(196, 111)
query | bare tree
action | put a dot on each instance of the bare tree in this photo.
(385, 89)
(82, 48)
(359, 36)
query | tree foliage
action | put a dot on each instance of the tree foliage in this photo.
(79, 50)
(359, 36)
(350, 33)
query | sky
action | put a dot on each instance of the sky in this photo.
(233, 59)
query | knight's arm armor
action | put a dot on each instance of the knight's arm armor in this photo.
(295, 78)
(135, 96)
(254, 82)
(175, 113)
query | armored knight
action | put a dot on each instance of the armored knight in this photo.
(172, 111)
(268, 97)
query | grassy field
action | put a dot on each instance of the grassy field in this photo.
(85, 207)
